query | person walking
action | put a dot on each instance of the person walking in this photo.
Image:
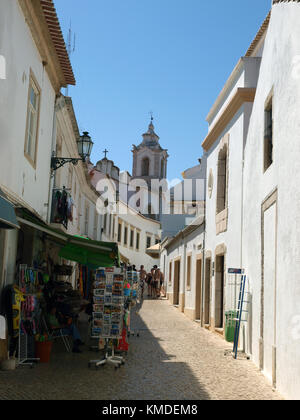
(152, 283)
(159, 275)
(148, 281)
(143, 277)
(155, 282)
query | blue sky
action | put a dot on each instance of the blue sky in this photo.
(171, 57)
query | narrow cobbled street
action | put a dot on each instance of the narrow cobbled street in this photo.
(172, 359)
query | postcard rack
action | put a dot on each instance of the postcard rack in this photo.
(108, 313)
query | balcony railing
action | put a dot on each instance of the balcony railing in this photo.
(61, 212)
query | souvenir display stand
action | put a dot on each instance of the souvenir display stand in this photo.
(27, 314)
(108, 313)
(134, 300)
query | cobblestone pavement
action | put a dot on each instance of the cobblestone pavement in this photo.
(174, 358)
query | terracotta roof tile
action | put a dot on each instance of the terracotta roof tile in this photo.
(259, 35)
(285, 1)
(58, 40)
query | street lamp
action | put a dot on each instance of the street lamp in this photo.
(84, 145)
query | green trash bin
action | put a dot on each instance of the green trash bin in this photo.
(230, 326)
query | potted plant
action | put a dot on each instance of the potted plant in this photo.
(43, 348)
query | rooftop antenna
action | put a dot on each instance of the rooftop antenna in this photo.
(70, 48)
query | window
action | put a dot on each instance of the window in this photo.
(188, 275)
(222, 180)
(114, 224)
(138, 240)
(119, 232)
(268, 135)
(131, 238)
(33, 107)
(105, 222)
(145, 167)
(170, 273)
(148, 242)
(125, 235)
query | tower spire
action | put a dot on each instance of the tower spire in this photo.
(151, 126)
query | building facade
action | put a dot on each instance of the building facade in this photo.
(121, 223)
(271, 202)
(34, 76)
(37, 121)
(252, 204)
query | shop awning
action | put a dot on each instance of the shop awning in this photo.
(154, 251)
(93, 254)
(124, 259)
(8, 219)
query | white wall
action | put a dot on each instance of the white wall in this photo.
(244, 75)
(20, 52)
(281, 54)
(182, 246)
(74, 178)
(146, 227)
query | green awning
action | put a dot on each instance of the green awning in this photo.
(93, 254)
(8, 219)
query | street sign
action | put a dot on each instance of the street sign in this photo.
(236, 271)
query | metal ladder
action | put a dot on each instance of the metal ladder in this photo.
(240, 312)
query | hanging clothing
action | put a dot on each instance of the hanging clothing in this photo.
(17, 299)
(70, 204)
(60, 207)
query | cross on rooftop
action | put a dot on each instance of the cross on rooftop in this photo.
(105, 152)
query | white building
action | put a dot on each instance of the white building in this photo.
(121, 223)
(228, 126)
(36, 69)
(271, 228)
(187, 200)
(181, 261)
(252, 204)
(85, 219)
(35, 121)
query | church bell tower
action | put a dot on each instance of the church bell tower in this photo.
(150, 162)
